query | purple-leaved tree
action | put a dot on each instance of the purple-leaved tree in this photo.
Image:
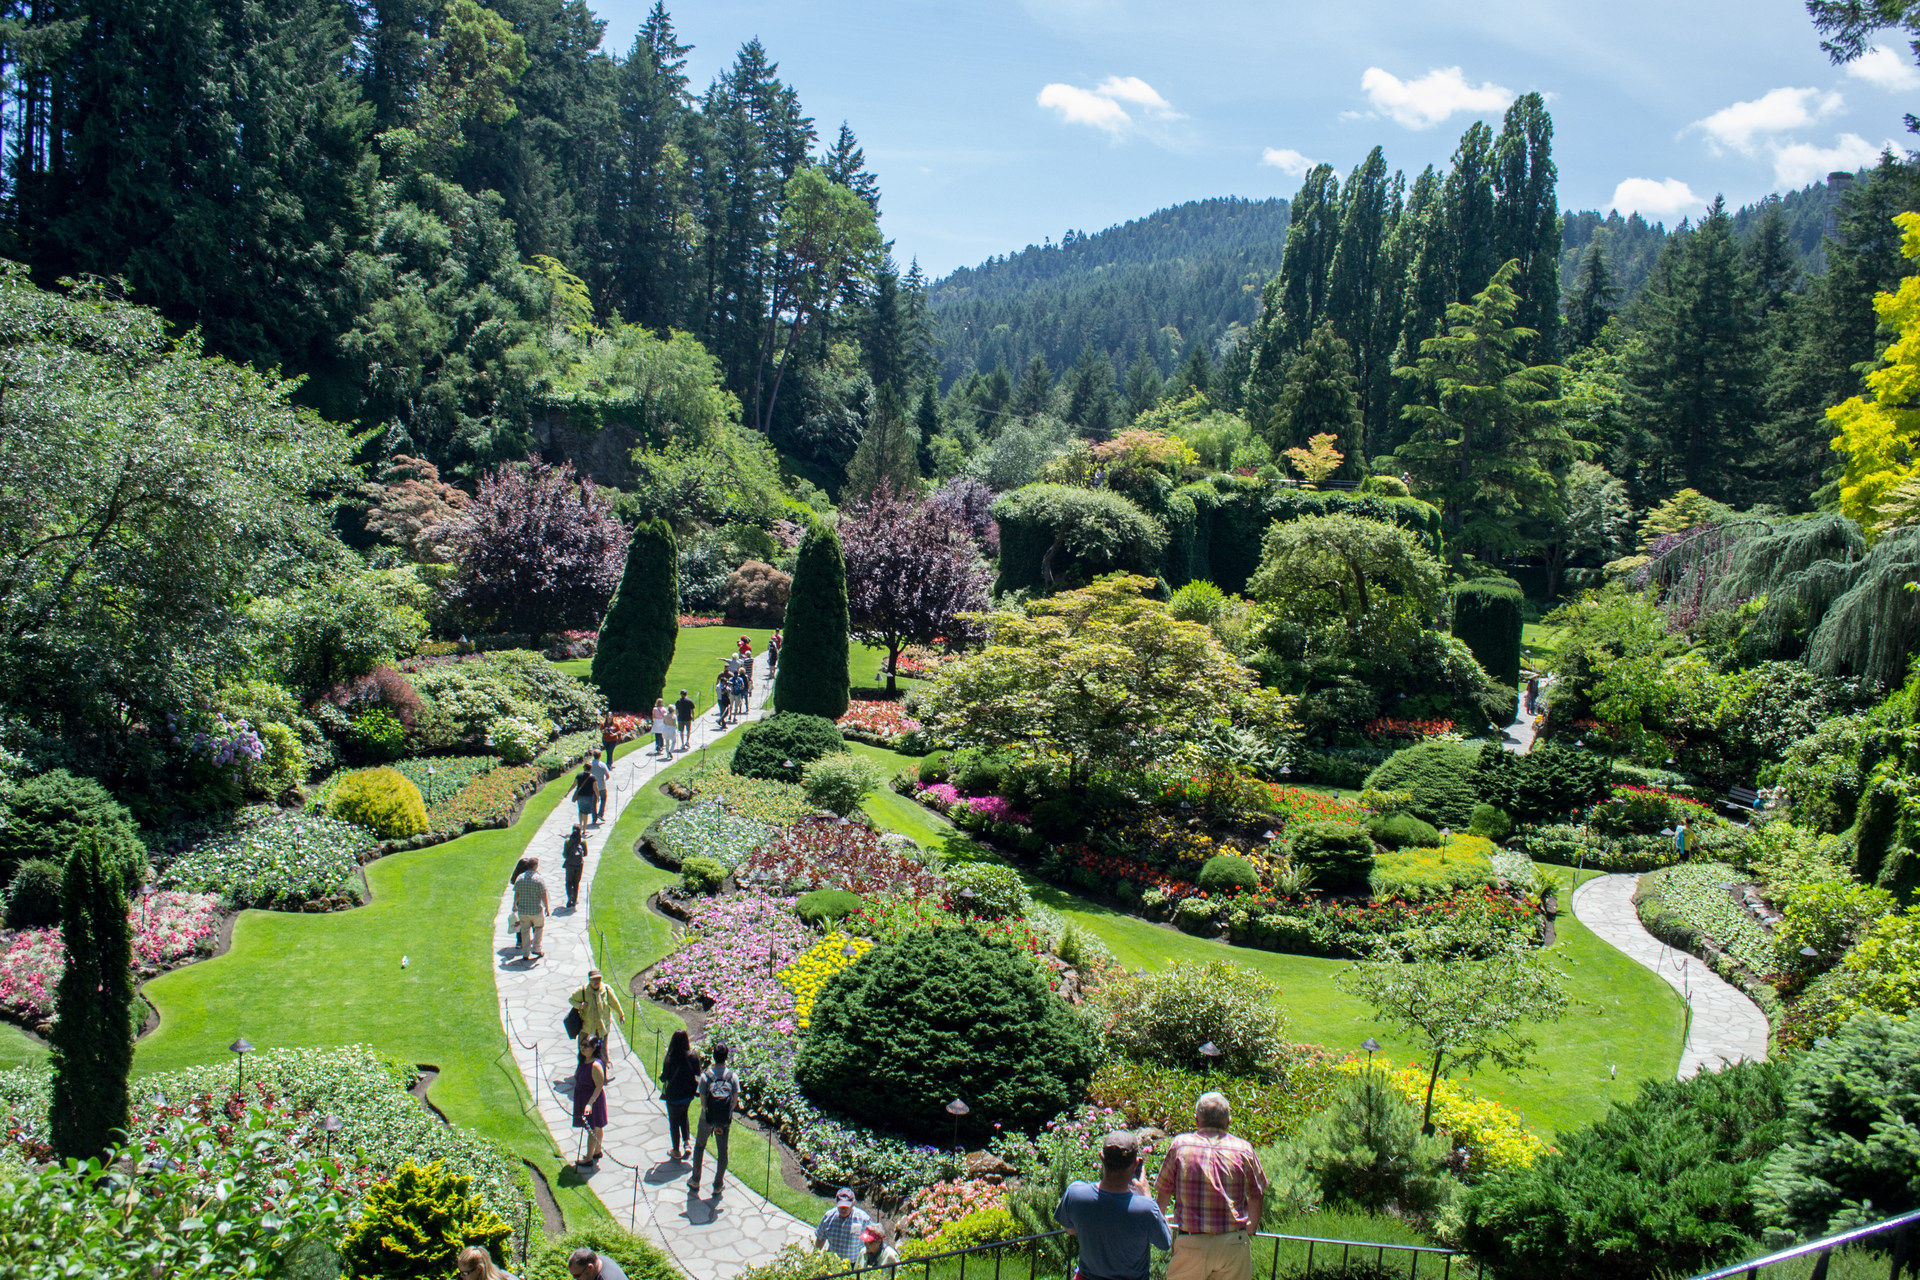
(912, 569)
(539, 550)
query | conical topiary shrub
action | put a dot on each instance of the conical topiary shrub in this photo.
(636, 639)
(812, 678)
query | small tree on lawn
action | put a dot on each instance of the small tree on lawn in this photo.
(1469, 1011)
(912, 570)
(812, 678)
(93, 1031)
(539, 550)
(636, 642)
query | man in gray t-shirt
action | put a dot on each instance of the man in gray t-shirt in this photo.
(1116, 1221)
(530, 910)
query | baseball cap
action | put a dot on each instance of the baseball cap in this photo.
(843, 1196)
(1119, 1149)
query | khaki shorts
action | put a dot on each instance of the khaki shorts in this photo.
(1223, 1257)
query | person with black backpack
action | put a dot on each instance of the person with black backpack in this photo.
(718, 1090)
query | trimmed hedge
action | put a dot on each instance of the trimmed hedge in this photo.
(642, 623)
(1487, 616)
(824, 906)
(812, 678)
(782, 745)
(1403, 831)
(1098, 532)
(1441, 777)
(1340, 854)
(1224, 873)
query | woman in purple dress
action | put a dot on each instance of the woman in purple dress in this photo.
(590, 1098)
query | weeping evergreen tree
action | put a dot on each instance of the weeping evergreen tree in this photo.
(1870, 630)
(643, 622)
(1797, 570)
(93, 1032)
(812, 679)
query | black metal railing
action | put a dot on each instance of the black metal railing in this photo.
(1301, 1254)
(1899, 1248)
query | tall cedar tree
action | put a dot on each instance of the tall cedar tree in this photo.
(1694, 379)
(643, 622)
(813, 676)
(912, 570)
(1034, 395)
(1526, 227)
(1092, 402)
(1487, 435)
(1593, 299)
(889, 451)
(539, 550)
(93, 1032)
(1321, 397)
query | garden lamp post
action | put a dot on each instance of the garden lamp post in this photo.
(956, 1109)
(1372, 1047)
(1809, 953)
(1446, 834)
(1210, 1051)
(146, 899)
(429, 786)
(240, 1050)
(330, 1126)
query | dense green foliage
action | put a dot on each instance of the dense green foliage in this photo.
(415, 1224)
(1164, 1017)
(813, 675)
(1486, 616)
(33, 895)
(782, 745)
(1054, 535)
(1224, 873)
(384, 801)
(1340, 854)
(48, 816)
(637, 636)
(1403, 831)
(825, 906)
(1440, 776)
(93, 1033)
(940, 1015)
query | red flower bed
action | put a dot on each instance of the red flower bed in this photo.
(1113, 868)
(1296, 804)
(818, 853)
(695, 620)
(1406, 730)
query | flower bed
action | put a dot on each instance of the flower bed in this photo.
(448, 773)
(807, 976)
(700, 620)
(1123, 876)
(1692, 897)
(282, 864)
(1420, 875)
(1296, 804)
(167, 929)
(488, 801)
(728, 957)
(1493, 1135)
(816, 853)
(945, 1203)
(985, 809)
(711, 830)
(883, 720)
(764, 800)
(571, 644)
(1392, 729)
(1641, 810)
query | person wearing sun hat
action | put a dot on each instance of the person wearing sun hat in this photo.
(878, 1253)
(840, 1231)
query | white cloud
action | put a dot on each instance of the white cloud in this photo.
(1798, 163)
(1656, 196)
(1100, 107)
(1885, 68)
(1742, 125)
(1423, 103)
(1286, 160)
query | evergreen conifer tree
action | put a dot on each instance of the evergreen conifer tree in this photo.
(889, 450)
(642, 624)
(1144, 385)
(93, 1032)
(926, 421)
(1322, 398)
(1034, 395)
(1093, 406)
(1526, 226)
(1593, 299)
(813, 675)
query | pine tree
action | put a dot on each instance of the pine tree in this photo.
(926, 421)
(1593, 300)
(1034, 395)
(1322, 398)
(889, 451)
(1526, 220)
(813, 675)
(846, 164)
(1144, 385)
(1468, 204)
(1196, 374)
(92, 1036)
(1299, 292)
(1694, 378)
(1092, 404)
(645, 197)
(1770, 261)
(643, 622)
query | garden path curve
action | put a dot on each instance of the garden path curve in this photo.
(709, 1239)
(1725, 1027)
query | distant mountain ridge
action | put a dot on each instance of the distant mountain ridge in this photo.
(1192, 273)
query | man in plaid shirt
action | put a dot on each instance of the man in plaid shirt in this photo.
(1220, 1190)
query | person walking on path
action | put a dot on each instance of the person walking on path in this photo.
(609, 735)
(585, 794)
(1533, 694)
(573, 860)
(585, 1264)
(590, 1097)
(1115, 1220)
(679, 1085)
(740, 692)
(600, 1009)
(530, 911)
(601, 767)
(878, 1253)
(1220, 1190)
(683, 710)
(839, 1231)
(476, 1263)
(718, 1090)
(661, 721)
(773, 653)
(722, 695)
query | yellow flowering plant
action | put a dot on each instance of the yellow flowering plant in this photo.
(807, 976)
(1492, 1134)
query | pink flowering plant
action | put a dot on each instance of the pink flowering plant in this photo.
(879, 719)
(727, 959)
(985, 809)
(945, 1203)
(938, 796)
(167, 929)
(820, 853)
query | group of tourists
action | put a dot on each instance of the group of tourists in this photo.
(582, 1264)
(733, 687)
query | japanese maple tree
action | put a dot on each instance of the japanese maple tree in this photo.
(912, 569)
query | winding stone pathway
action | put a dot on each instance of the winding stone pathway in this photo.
(710, 1239)
(1726, 1026)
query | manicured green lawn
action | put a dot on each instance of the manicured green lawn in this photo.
(699, 651)
(17, 1048)
(1622, 1015)
(295, 979)
(1537, 644)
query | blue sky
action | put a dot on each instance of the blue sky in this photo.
(999, 123)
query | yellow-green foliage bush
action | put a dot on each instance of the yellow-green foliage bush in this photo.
(384, 801)
(982, 1226)
(1419, 875)
(1495, 1137)
(415, 1224)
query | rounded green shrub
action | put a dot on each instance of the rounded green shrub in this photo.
(987, 889)
(1441, 778)
(783, 745)
(840, 782)
(1339, 854)
(1225, 873)
(825, 906)
(935, 768)
(1060, 819)
(703, 875)
(638, 1256)
(1490, 822)
(938, 1015)
(1163, 1017)
(47, 815)
(384, 801)
(33, 898)
(1403, 831)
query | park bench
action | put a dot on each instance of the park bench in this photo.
(1741, 800)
